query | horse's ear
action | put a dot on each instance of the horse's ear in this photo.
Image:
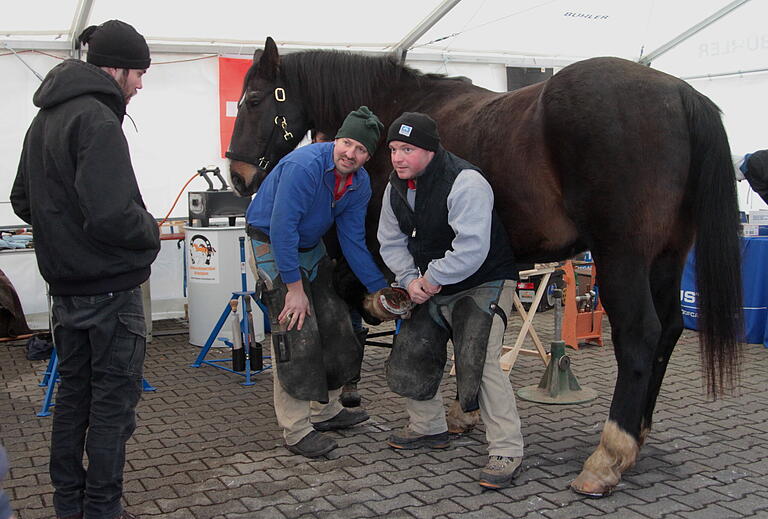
(268, 59)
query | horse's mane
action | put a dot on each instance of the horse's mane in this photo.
(333, 82)
(324, 78)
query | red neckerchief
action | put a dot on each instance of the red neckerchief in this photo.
(411, 184)
(348, 182)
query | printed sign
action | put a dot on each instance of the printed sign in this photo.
(203, 258)
(231, 75)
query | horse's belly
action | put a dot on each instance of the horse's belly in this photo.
(547, 236)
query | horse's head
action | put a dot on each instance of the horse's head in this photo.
(271, 121)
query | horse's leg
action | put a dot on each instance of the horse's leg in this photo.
(666, 273)
(460, 422)
(636, 330)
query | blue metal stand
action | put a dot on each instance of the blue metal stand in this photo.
(245, 295)
(378, 335)
(51, 376)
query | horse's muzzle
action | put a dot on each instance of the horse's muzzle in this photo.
(245, 178)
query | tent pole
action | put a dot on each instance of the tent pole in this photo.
(400, 49)
(82, 14)
(646, 60)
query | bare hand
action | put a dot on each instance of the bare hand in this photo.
(296, 307)
(421, 290)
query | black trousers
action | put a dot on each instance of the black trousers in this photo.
(101, 343)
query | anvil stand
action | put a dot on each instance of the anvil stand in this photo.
(558, 385)
(245, 329)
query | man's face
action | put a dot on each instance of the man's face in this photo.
(130, 81)
(349, 155)
(408, 160)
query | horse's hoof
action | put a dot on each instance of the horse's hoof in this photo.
(593, 494)
(460, 422)
(460, 430)
(350, 396)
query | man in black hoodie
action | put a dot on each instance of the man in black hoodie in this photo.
(95, 242)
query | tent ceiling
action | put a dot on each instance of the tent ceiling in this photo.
(519, 32)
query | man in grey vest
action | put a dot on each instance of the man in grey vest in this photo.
(445, 244)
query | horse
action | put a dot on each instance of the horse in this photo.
(607, 155)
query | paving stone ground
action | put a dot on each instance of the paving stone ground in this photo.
(207, 447)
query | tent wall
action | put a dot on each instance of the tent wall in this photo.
(742, 101)
(176, 117)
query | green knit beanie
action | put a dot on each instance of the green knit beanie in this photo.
(363, 126)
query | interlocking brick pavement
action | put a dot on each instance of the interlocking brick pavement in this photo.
(207, 447)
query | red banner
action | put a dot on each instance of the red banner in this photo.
(231, 74)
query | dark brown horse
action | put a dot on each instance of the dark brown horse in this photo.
(607, 155)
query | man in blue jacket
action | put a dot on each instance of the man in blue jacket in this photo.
(94, 242)
(314, 346)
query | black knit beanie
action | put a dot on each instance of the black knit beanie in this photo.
(363, 126)
(415, 128)
(115, 44)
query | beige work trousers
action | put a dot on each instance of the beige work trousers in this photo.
(498, 408)
(294, 416)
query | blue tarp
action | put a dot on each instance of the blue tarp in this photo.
(754, 272)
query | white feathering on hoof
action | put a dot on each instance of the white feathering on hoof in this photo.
(602, 471)
(460, 422)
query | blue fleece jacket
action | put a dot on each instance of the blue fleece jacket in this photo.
(295, 207)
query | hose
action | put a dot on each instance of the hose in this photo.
(177, 199)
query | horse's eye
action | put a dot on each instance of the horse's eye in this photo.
(253, 98)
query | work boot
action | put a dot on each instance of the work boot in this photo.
(344, 420)
(500, 471)
(350, 396)
(407, 439)
(313, 445)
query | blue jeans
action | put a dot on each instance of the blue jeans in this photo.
(101, 342)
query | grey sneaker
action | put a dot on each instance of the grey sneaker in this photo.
(313, 445)
(344, 420)
(500, 471)
(407, 439)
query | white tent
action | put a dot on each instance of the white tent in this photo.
(719, 46)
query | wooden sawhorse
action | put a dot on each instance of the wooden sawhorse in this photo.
(509, 354)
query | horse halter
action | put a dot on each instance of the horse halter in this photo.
(280, 122)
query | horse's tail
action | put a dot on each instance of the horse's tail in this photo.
(718, 263)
